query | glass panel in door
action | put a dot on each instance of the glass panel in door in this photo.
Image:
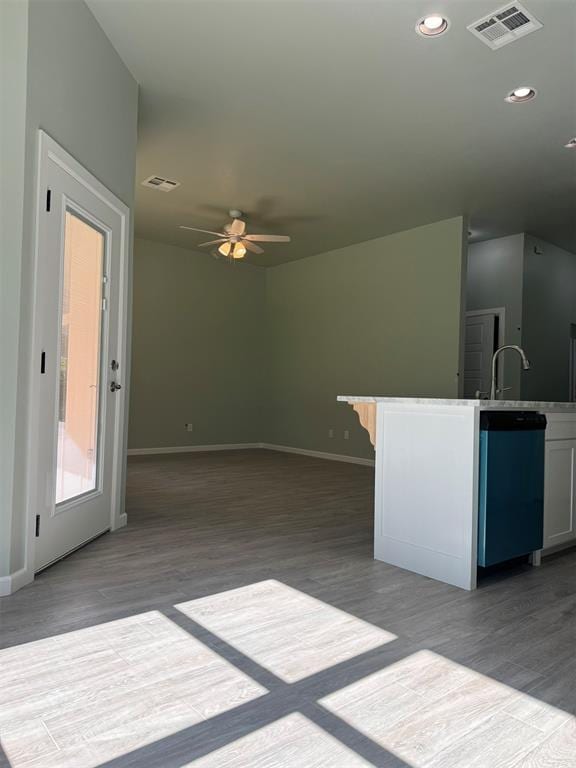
(80, 359)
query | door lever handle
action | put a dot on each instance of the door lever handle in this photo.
(114, 386)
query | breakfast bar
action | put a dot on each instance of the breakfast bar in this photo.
(427, 479)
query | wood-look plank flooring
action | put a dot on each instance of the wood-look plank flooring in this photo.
(240, 621)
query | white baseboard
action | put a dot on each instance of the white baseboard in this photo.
(319, 454)
(240, 446)
(9, 584)
(122, 521)
(191, 448)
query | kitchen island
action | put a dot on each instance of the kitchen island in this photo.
(426, 479)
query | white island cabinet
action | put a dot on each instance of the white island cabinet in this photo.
(560, 481)
(426, 480)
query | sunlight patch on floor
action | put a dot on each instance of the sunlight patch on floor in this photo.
(291, 742)
(434, 713)
(83, 698)
(97, 693)
(288, 632)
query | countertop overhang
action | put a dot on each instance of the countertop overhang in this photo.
(483, 405)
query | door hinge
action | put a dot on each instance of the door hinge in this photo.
(43, 362)
(37, 526)
(48, 199)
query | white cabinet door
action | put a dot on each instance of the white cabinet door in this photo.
(559, 492)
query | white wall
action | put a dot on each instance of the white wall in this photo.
(75, 87)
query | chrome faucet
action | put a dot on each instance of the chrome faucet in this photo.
(525, 365)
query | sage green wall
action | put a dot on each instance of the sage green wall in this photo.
(13, 78)
(197, 349)
(73, 85)
(379, 317)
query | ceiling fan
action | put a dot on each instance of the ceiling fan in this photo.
(234, 242)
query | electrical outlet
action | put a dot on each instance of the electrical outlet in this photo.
(346, 434)
(330, 433)
(189, 427)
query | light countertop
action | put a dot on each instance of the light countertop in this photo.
(484, 405)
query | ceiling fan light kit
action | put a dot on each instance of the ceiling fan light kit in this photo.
(233, 243)
(232, 250)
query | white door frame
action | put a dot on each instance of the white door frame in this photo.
(500, 313)
(49, 150)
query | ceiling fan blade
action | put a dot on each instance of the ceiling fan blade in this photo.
(237, 227)
(212, 242)
(267, 238)
(205, 231)
(252, 246)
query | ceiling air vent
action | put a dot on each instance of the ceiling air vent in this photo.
(157, 182)
(505, 25)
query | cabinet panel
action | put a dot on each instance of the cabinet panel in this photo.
(559, 492)
(561, 426)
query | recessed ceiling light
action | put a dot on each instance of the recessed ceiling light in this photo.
(521, 94)
(571, 144)
(432, 25)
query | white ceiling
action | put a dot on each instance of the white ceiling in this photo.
(333, 122)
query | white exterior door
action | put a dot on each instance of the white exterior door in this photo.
(479, 345)
(79, 333)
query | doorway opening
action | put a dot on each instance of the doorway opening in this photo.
(484, 334)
